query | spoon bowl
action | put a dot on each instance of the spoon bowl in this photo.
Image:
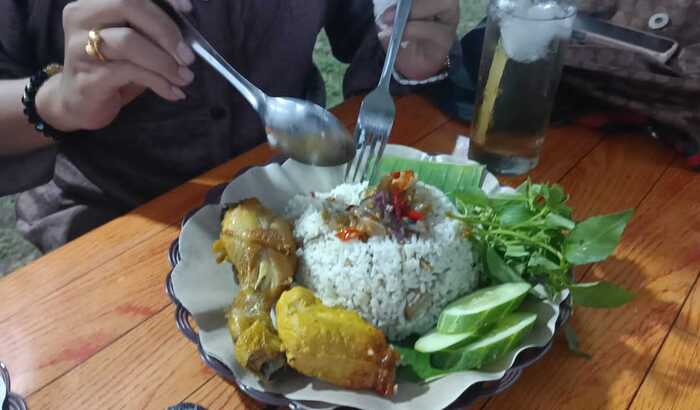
(307, 132)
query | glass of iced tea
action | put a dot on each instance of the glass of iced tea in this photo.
(520, 68)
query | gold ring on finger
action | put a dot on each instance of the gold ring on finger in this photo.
(92, 48)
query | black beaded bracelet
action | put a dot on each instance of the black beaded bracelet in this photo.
(29, 102)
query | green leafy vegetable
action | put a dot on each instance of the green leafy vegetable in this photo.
(600, 295)
(595, 238)
(446, 177)
(528, 235)
(415, 366)
(499, 270)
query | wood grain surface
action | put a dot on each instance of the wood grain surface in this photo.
(89, 325)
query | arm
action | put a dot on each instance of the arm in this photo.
(142, 49)
(430, 33)
(354, 37)
(18, 136)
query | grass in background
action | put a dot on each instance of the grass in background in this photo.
(16, 252)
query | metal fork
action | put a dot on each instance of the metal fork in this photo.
(378, 111)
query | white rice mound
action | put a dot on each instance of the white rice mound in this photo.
(379, 278)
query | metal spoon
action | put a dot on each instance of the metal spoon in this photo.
(303, 130)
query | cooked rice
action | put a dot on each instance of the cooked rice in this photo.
(381, 277)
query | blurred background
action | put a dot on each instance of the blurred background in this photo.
(15, 252)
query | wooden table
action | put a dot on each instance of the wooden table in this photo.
(89, 326)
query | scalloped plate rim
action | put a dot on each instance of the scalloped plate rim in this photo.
(391, 149)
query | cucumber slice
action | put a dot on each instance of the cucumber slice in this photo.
(434, 341)
(446, 177)
(486, 306)
(503, 338)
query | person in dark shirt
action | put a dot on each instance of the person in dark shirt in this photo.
(138, 114)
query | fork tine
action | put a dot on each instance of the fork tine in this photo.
(356, 137)
(359, 156)
(372, 153)
(378, 158)
(367, 138)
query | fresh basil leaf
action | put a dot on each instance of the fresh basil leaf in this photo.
(557, 201)
(544, 193)
(541, 236)
(572, 341)
(602, 295)
(534, 195)
(524, 188)
(516, 251)
(498, 269)
(502, 199)
(553, 220)
(519, 268)
(471, 196)
(540, 263)
(595, 238)
(514, 214)
(556, 196)
(415, 366)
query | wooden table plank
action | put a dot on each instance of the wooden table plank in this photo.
(144, 369)
(673, 382)
(689, 319)
(100, 307)
(416, 117)
(657, 260)
(674, 378)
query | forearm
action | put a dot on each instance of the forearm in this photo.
(17, 135)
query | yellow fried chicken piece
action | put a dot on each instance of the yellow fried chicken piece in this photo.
(259, 348)
(248, 307)
(261, 247)
(334, 344)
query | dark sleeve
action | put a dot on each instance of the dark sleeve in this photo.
(353, 36)
(16, 45)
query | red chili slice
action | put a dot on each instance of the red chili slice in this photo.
(415, 215)
(348, 234)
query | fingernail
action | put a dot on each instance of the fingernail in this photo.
(386, 33)
(185, 5)
(186, 74)
(177, 92)
(185, 53)
(404, 44)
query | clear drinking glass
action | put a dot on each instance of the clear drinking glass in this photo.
(521, 64)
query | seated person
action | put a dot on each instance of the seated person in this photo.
(133, 113)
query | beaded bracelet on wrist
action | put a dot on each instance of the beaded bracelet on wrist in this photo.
(29, 102)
